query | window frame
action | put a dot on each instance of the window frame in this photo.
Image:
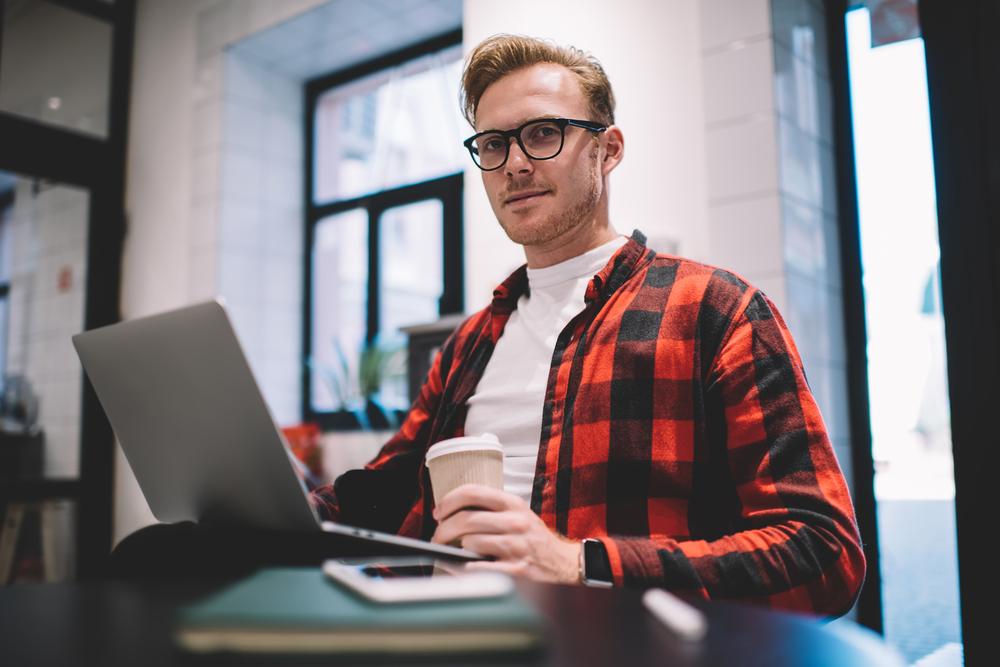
(448, 189)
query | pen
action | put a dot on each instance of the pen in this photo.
(678, 616)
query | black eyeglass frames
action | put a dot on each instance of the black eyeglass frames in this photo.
(540, 139)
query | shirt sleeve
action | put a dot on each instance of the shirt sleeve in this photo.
(795, 545)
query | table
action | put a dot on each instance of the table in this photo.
(127, 623)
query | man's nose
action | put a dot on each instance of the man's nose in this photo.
(517, 161)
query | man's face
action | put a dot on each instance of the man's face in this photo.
(538, 201)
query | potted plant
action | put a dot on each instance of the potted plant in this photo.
(357, 388)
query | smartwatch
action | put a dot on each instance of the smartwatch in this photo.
(595, 568)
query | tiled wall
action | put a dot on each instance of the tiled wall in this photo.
(260, 237)
(246, 225)
(49, 241)
(744, 198)
(771, 177)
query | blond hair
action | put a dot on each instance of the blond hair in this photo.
(503, 54)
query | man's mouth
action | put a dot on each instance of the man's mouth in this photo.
(524, 197)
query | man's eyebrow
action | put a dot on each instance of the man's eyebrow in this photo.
(529, 119)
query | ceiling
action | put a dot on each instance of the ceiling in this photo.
(342, 33)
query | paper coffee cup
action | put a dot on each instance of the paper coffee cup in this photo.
(466, 460)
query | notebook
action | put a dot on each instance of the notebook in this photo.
(197, 433)
(298, 611)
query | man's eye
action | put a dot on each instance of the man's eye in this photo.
(543, 132)
(494, 144)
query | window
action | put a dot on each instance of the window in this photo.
(384, 222)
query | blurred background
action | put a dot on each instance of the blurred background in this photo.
(302, 159)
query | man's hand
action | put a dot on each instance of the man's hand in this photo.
(502, 526)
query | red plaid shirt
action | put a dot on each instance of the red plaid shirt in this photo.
(678, 427)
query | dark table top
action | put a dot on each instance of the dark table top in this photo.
(127, 623)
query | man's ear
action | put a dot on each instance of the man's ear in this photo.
(614, 149)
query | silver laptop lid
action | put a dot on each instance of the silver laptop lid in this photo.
(192, 422)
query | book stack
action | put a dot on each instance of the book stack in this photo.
(300, 611)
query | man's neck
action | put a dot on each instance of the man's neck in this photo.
(573, 244)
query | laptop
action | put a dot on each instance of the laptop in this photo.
(198, 435)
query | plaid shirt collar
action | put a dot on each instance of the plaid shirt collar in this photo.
(605, 283)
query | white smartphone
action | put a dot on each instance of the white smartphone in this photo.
(415, 578)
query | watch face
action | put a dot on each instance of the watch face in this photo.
(597, 567)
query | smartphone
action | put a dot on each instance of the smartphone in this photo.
(415, 578)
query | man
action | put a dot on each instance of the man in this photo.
(650, 406)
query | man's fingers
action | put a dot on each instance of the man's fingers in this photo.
(471, 522)
(501, 547)
(471, 495)
(469, 508)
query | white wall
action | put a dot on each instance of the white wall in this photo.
(744, 204)
(154, 262)
(651, 51)
(159, 158)
(162, 267)
(256, 216)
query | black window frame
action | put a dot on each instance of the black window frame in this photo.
(447, 189)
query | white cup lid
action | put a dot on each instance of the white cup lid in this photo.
(469, 443)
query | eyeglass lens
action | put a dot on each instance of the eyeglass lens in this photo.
(540, 140)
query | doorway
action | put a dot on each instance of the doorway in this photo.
(910, 415)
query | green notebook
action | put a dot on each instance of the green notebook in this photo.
(299, 610)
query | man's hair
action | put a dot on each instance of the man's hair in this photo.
(503, 54)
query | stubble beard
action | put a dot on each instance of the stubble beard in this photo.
(561, 222)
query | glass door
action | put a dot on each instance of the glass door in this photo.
(43, 272)
(907, 365)
(65, 68)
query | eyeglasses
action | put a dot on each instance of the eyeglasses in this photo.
(539, 139)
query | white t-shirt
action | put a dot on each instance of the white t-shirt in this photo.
(510, 396)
